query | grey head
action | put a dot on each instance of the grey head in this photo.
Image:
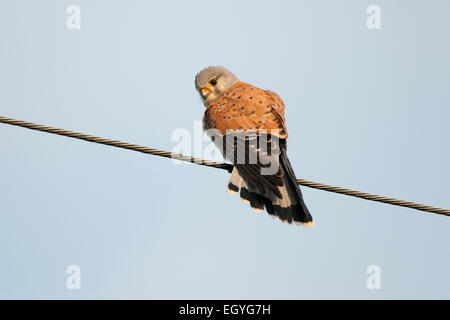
(212, 82)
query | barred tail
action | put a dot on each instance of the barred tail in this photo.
(284, 201)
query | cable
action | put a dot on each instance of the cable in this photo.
(116, 143)
(218, 165)
(373, 197)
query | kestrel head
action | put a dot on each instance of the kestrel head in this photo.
(213, 82)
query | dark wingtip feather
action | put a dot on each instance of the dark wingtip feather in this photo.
(295, 213)
(256, 201)
(233, 188)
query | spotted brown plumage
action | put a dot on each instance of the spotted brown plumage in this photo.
(248, 125)
(246, 107)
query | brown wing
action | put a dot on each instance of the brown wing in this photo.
(246, 107)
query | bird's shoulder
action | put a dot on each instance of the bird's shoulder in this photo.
(246, 107)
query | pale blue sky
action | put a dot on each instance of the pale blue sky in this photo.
(365, 109)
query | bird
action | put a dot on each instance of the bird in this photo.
(248, 125)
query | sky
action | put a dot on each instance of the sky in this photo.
(366, 109)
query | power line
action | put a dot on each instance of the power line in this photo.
(218, 165)
(373, 197)
(116, 143)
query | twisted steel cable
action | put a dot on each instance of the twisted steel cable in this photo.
(115, 143)
(218, 165)
(373, 197)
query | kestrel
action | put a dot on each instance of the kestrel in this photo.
(247, 124)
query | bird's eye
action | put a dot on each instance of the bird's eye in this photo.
(213, 82)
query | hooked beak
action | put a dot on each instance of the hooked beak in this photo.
(205, 92)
